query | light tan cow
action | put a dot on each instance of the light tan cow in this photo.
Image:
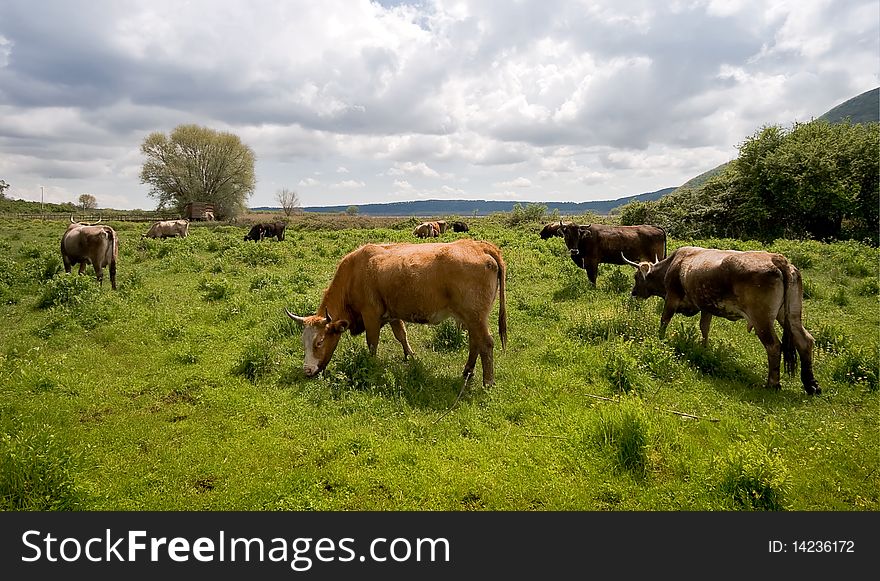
(415, 283)
(168, 229)
(93, 244)
(427, 230)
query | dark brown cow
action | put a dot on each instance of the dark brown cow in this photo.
(552, 229)
(592, 244)
(92, 244)
(459, 226)
(759, 287)
(415, 283)
(263, 230)
(427, 230)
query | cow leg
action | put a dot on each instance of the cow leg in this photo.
(592, 271)
(481, 343)
(113, 275)
(372, 330)
(668, 311)
(99, 274)
(399, 330)
(67, 264)
(773, 345)
(82, 268)
(705, 323)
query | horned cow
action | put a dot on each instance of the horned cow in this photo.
(757, 286)
(93, 244)
(592, 244)
(168, 229)
(415, 283)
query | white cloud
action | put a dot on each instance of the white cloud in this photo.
(519, 182)
(586, 97)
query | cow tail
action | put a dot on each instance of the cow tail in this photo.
(111, 247)
(791, 277)
(502, 300)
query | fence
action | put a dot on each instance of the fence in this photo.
(91, 217)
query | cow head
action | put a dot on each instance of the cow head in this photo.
(649, 278)
(573, 234)
(320, 338)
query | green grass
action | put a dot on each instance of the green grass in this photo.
(183, 389)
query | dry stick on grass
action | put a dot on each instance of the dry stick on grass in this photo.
(657, 408)
(449, 409)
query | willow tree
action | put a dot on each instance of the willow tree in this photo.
(198, 164)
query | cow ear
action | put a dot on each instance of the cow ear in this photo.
(338, 326)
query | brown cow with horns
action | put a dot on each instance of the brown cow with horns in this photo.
(415, 283)
(757, 286)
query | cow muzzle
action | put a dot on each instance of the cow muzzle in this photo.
(311, 370)
(574, 251)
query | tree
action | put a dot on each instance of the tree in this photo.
(87, 202)
(352, 210)
(3, 187)
(288, 199)
(198, 164)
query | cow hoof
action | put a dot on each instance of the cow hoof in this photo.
(813, 389)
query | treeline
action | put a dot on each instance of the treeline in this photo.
(814, 180)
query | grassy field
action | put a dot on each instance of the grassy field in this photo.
(183, 389)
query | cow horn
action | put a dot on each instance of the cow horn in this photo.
(656, 259)
(628, 261)
(296, 318)
(71, 219)
(327, 318)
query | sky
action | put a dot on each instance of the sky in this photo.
(350, 102)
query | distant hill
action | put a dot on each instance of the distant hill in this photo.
(864, 108)
(479, 207)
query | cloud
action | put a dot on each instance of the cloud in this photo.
(581, 96)
(514, 183)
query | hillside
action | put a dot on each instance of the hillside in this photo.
(864, 108)
(482, 207)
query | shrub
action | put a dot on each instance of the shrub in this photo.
(621, 369)
(448, 336)
(66, 290)
(37, 472)
(617, 281)
(355, 367)
(830, 339)
(858, 365)
(215, 289)
(753, 478)
(624, 429)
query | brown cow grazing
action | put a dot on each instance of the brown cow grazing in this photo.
(759, 287)
(427, 230)
(416, 283)
(442, 226)
(593, 244)
(553, 229)
(92, 244)
(168, 229)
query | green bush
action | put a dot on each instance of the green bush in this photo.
(67, 290)
(623, 428)
(447, 336)
(255, 362)
(215, 289)
(858, 366)
(753, 478)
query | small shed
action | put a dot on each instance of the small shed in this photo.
(199, 211)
